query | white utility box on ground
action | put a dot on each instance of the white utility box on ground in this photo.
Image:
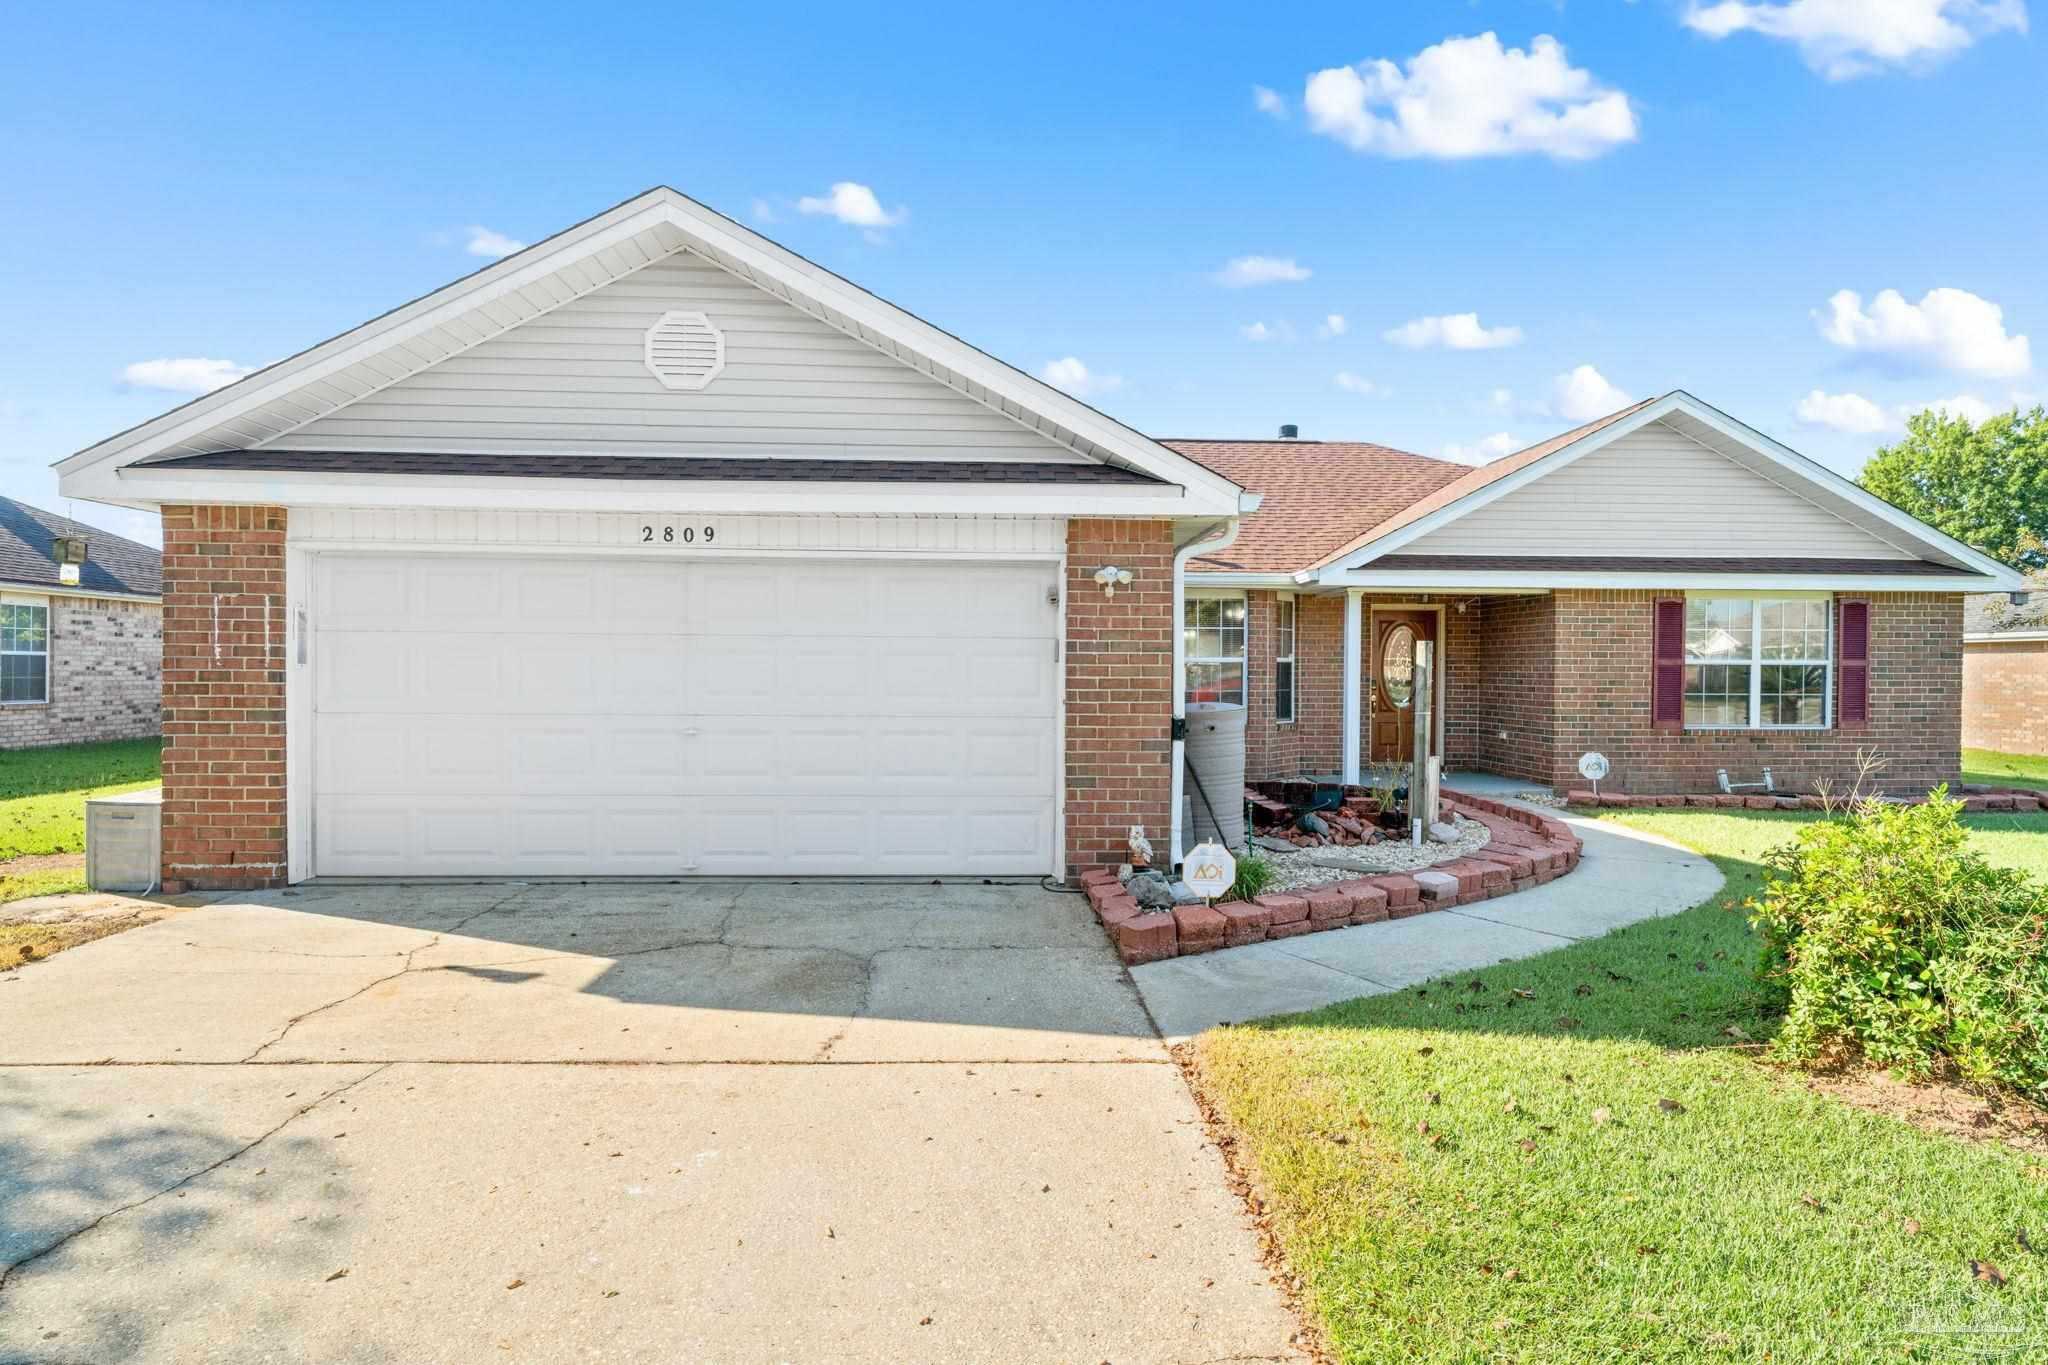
(124, 840)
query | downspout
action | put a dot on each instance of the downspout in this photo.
(1203, 543)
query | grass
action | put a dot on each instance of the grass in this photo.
(1486, 1167)
(1989, 768)
(42, 804)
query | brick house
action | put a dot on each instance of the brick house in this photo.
(655, 549)
(2005, 673)
(81, 645)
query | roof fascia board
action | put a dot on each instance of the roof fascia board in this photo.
(1239, 579)
(1368, 577)
(1992, 637)
(149, 486)
(21, 587)
(2003, 578)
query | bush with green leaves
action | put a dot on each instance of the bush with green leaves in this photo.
(1254, 874)
(1885, 936)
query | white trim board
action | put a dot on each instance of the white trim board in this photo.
(1988, 573)
(268, 405)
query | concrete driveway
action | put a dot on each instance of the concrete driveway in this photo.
(703, 1123)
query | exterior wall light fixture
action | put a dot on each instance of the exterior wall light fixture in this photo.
(1111, 578)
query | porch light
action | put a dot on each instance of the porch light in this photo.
(1111, 578)
(69, 552)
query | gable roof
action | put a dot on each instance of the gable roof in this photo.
(1990, 615)
(112, 564)
(1698, 421)
(268, 405)
(1318, 495)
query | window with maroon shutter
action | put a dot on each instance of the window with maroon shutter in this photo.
(1852, 667)
(1667, 672)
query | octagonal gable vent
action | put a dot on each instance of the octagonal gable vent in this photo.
(684, 351)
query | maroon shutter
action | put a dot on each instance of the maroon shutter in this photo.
(1852, 667)
(1667, 671)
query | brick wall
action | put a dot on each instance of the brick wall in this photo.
(223, 696)
(106, 657)
(2005, 696)
(1515, 707)
(1602, 682)
(1119, 690)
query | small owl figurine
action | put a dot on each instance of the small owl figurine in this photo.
(1141, 847)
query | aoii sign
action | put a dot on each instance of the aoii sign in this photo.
(1209, 870)
(1593, 766)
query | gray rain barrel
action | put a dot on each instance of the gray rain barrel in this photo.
(1215, 756)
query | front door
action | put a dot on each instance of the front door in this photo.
(1394, 636)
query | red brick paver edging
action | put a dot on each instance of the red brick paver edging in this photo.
(1527, 848)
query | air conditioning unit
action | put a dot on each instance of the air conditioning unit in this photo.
(124, 841)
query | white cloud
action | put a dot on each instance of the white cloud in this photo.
(1843, 39)
(1501, 399)
(1948, 327)
(1269, 101)
(1333, 325)
(1455, 331)
(1962, 405)
(1849, 412)
(191, 374)
(764, 212)
(852, 204)
(1585, 394)
(1260, 331)
(489, 243)
(1468, 97)
(1245, 271)
(1070, 374)
(1358, 384)
(1484, 450)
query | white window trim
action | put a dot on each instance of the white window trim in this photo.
(1755, 662)
(1243, 655)
(41, 604)
(1285, 599)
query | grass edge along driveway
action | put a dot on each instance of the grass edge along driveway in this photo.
(1575, 1157)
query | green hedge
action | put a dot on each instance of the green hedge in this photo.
(1885, 936)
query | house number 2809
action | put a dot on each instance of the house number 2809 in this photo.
(670, 535)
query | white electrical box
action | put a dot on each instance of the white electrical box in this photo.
(124, 840)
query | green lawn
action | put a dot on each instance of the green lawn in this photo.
(42, 803)
(1569, 1158)
(1989, 768)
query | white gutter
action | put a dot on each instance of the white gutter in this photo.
(1204, 544)
(1992, 637)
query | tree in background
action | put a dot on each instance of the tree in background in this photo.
(1986, 485)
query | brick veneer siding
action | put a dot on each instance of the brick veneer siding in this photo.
(1514, 719)
(106, 662)
(1119, 679)
(2005, 695)
(1602, 691)
(223, 697)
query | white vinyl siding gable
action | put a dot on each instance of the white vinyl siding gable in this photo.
(575, 381)
(1655, 493)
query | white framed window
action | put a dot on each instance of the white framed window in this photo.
(24, 653)
(1759, 663)
(1283, 660)
(1212, 643)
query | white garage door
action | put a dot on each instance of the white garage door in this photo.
(539, 716)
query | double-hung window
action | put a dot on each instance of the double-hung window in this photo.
(1212, 638)
(24, 653)
(1758, 663)
(1283, 660)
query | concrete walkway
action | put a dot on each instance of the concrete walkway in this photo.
(713, 1122)
(1623, 876)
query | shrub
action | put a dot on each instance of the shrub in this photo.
(1254, 874)
(1884, 934)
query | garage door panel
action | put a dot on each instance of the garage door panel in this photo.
(560, 717)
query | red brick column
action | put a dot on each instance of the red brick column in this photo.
(224, 711)
(1119, 690)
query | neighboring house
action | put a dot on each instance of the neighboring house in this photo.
(2005, 673)
(80, 652)
(656, 549)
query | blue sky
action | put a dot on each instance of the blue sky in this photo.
(1630, 197)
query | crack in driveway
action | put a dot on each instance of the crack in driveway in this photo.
(7, 1272)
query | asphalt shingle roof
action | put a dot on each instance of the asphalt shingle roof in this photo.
(112, 563)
